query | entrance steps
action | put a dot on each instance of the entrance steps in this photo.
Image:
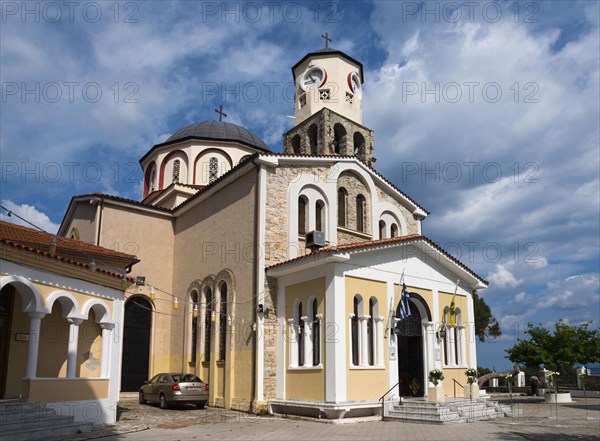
(21, 420)
(452, 411)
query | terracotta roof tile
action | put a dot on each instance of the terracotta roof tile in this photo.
(67, 250)
(379, 243)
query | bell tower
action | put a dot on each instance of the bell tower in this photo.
(328, 107)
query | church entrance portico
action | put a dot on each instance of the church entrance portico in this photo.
(413, 354)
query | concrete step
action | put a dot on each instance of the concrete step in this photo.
(20, 420)
(453, 411)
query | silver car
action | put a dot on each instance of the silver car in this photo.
(166, 389)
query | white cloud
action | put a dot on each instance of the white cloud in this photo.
(30, 213)
(503, 277)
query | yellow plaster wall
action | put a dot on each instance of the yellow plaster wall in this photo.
(54, 341)
(365, 383)
(84, 219)
(89, 348)
(309, 383)
(50, 390)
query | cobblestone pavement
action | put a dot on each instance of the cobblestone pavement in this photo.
(577, 421)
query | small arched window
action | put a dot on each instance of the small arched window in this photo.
(300, 338)
(339, 139)
(302, 214)
(176, 170)
(355, 336)
(153, 180)
(194, 299)
(208, 323)
(312, 139)
(316, 334)
(342, 203)
(296, 144)
(222, 321)
(319, 215)
(360, 213)
(394, 230)
(213, 169)
(359, 146)
(382, 229)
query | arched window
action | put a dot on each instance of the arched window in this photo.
(454, 341)
(296, 144)
(319, 215)
(339, 139)
(176, 170)
(370, 331)
(300, 337)
(360, 213)
(394, 230)
(208, 323)
(342, 203)
(316, 334)
(382, 229)
(194, 299)
(213, 169)
(153, 180)
(355, 331)
(359, 146)
(222, 322)
(312, 139)
(302, 214)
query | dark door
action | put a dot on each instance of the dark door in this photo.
(6, 298)
(409, 333)
(136, 343)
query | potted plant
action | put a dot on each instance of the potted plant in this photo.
(555, 395)
(472, 390)
(436, 393)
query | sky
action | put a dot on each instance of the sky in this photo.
(486, 113)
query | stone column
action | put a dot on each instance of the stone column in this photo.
(35, 322)
(363, 346)
(462, 345)
(451, 336)
(73, 341)
(106, 335)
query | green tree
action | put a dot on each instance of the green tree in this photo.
(559, 350)
(486, 325)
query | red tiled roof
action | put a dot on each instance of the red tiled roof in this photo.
(383, 242)
(67, 250)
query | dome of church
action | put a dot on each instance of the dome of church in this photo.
(219, 130)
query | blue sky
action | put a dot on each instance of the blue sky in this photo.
(487, 113)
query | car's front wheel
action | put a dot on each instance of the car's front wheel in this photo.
(142, 399)
(162, 402)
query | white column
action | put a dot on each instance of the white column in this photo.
(293, 343)
(308, 360)
(363, 347)
(462, 347)
(35, 322)
(429, 346)
(105, 362)
(72, 350)
(378, 341)
(451, 339)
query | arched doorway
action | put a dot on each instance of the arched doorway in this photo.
(136, 343)
(411, 369)
(6, 302)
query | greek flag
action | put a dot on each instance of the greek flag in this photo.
(404, 308)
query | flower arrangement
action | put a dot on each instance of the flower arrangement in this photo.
(510, 380)
(471, 375)
(435, 376)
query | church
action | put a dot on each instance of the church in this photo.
(279, 278)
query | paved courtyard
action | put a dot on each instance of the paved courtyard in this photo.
(577, 421)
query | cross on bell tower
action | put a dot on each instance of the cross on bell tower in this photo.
(327, 39)
(220, 112)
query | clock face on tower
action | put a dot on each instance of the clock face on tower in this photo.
(313, 78)
(354, 83)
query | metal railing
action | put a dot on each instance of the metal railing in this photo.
(382, 398)
(455, 383)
